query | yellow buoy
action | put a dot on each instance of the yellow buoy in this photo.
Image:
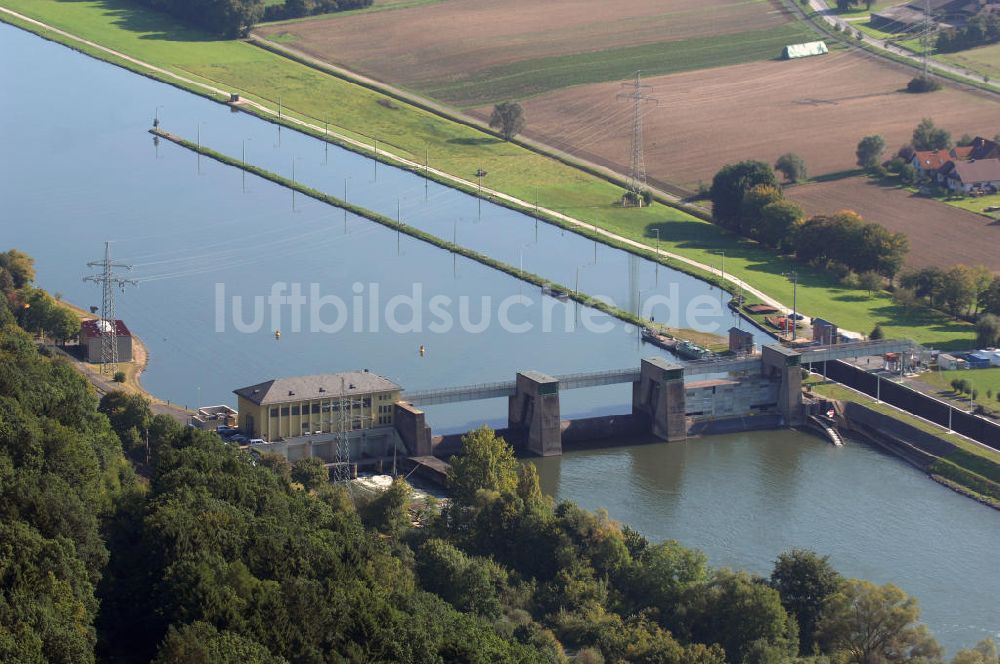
(422, 350)
(277, 334)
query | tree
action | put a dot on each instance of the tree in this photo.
(310, 472)
(731, 184)
(487, 463)
(792, 166)
(989, 299)
(63, 324)
(988, 331)
(20, 267)
(985, 652)
(927, 136)
(779, 222)
(877, 333)
(959, 290)
(869, 152)
(870, 281)
(926, 283)
(201, 643)
(875, 625)
(508, 119)
(804, 581)
(744, 615)
(468, 583)
(389, 512)
(879, 250)
(130, 416)
(754, 202)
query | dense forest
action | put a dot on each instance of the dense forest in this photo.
(128, 538)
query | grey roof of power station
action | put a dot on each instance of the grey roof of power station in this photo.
(320, 386)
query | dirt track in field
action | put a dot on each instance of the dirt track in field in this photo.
(817, 107)
(939, 234)
(454, 39)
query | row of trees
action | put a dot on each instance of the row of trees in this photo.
(747, 199)
(960, 290)
(297, 8)
(983, 28)
(228, 18)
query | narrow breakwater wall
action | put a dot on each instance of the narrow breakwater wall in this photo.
(411, 231)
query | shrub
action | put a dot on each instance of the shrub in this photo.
(119, 377)
(921, 84)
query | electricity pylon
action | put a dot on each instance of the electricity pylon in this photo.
(109, 323)
(637, 168)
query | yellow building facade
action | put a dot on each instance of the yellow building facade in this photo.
(306, 405)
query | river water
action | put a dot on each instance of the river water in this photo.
(78, 168)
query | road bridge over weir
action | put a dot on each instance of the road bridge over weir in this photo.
(572, 381)
(665, 400)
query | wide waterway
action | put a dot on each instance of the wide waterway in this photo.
(77, 168)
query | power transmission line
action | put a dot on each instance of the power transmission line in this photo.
(109, 323)
(637, 168)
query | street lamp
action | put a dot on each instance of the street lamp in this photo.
(199, 147)
(294, 159)
(794, 276)
(243, 162)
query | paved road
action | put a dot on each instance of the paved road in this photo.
(104, 384)
(364, 147)
(831, 18)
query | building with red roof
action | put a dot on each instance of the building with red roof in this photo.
(92, 334)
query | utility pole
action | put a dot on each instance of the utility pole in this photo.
(927, 34)
(108, 323)
(637, 168)
(657, 231)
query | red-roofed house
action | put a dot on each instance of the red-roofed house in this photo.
(91, 337)
(974, 175)
(929, 162)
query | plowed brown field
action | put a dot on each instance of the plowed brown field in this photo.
(817, 107)
(939, 234)
(455, 39)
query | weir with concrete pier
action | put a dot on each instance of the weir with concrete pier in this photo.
(732, 393)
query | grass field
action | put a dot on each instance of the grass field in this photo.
(459, 149)
(977, 205)
(940, 235)
(981, 379)
(984, 60)
(467, 52)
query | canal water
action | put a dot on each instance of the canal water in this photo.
(78, 168)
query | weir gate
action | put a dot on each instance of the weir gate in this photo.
(748, 391)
